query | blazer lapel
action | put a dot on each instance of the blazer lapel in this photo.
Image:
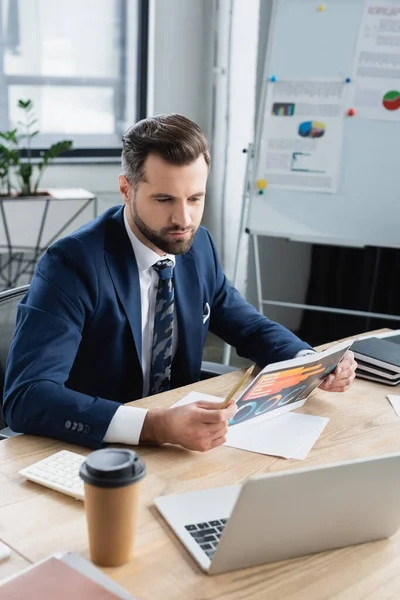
(189, 311)
(124, 273)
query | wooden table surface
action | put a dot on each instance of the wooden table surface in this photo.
(12, 565)
(36, 522)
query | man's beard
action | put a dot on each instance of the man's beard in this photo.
(159, 239)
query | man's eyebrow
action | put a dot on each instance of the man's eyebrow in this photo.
(161, 196)
(158, 196)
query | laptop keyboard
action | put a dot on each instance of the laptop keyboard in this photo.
(207, 534)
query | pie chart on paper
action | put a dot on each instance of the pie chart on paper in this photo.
(391, 100)
(311, 129)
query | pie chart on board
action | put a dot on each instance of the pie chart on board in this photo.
(391, 100)
(311, 129)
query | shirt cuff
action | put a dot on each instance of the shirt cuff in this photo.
(126, 426)
(305, 352)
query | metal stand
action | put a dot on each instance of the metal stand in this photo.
(341, 311)
(261, 302)
(19, 260)
(243, 218)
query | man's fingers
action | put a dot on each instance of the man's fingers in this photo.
(343, 372)
(230, 411)
(218, 441)
(217, 430)
(346, 367)
(206, 443)
(207, 405)
(346, 374)
(348, 362)
(209, 414)
(339, 385)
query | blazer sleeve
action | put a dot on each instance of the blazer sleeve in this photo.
(50, 320)
(240, 324)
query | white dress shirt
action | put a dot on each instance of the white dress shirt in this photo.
(126, 425)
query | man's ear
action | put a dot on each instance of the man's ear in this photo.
(124, 187)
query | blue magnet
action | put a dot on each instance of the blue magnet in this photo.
(273, 78)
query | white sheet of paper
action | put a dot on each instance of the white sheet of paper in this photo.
(291, 435)
(196, 397)
(5, 551)
(395, 402)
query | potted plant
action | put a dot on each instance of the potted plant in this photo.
(28, 225)
(19, 175)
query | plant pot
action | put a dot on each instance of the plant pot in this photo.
(29, 224)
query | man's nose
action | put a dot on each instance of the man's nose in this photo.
(181, 216)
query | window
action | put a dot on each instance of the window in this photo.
(83, 64)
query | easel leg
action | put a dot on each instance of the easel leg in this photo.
(373, 287)
(243, 216)
(258, 273)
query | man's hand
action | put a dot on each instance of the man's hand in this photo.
(342, 377)
(198, 426)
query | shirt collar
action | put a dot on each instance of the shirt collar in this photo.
(145, 256)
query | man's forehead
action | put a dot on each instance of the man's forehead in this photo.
(156, 170)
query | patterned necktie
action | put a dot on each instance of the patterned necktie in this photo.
(161, 357)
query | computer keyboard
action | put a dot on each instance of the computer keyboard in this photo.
(207, 534)
(60, 472)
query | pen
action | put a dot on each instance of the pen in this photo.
(241, 382)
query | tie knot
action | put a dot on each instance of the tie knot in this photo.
(164, 268)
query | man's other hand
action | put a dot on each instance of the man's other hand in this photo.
(342, 377)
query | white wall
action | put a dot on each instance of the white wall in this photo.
(179, 74)
(285, 266)
(234, 87)
(182, 59)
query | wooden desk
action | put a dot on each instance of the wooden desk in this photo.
(12, 565)
(35, 521)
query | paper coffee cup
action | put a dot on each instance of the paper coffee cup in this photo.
(112, 483)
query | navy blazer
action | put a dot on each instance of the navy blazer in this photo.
(76, 352)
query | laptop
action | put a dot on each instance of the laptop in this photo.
(282, 515)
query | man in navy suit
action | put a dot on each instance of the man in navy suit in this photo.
(120, 310)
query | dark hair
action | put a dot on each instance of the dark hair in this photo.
(174, 138)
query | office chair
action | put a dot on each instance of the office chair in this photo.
(213, 369)
(9, 301)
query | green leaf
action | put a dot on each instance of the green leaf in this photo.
(25, 124)
(14, 141)
(10, 136)
(25, 104)
(55, 150)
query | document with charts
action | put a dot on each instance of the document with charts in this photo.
(284, 386)
(376, 73)
(302, 134)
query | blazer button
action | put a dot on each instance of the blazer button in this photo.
(86, 429)
(67, 424)
(74, 425)
(80, 427)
